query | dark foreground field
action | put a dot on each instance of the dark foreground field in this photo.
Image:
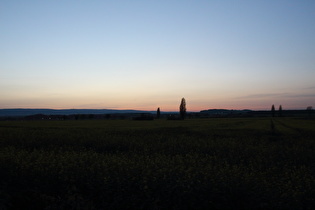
(254, 163)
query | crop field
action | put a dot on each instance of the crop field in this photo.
(218, 163)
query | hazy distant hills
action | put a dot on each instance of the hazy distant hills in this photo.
(210, 112)
(27, 112)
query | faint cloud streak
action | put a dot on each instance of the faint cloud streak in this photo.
(264, 95)
(277, 95)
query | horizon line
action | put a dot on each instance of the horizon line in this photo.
(145, 110)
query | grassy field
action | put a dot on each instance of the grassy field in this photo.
(242, 163)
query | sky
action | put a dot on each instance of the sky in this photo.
(134, 54)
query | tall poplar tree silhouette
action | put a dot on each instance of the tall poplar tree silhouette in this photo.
(182, 108)
(273, 110)
(158, 113)
(280, 111)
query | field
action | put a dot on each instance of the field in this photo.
(237, 163)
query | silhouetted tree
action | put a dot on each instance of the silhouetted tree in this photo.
(158, 113)
(280, 111)
(273, 110)
(182, 108)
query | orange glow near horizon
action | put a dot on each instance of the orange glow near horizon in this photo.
(164, 108)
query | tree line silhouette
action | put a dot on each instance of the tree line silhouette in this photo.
(273, 111)
(182, 111)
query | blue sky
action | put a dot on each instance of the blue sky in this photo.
(148, 54)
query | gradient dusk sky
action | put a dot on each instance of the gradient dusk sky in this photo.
(234, 54)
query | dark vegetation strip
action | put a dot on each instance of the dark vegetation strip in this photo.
(191, 164)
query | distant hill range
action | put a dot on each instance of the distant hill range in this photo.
(254, 113)
(206, 113)
(27, 112)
